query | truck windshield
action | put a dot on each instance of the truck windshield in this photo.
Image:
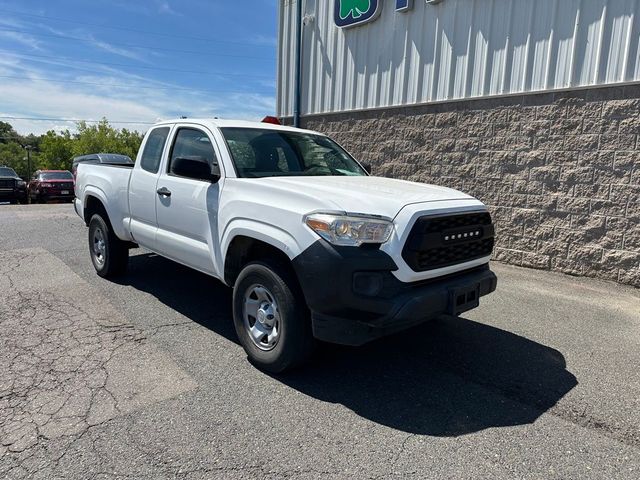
(56, 176)
(271, 153)
(7, 172)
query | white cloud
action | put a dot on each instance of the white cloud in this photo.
(117, 95)
(164, 7)
(107, 47)
(22, 38)
(8, 65)
(18, 37)
(268, 83)
(82, 35)
(10, 22)
(43, 99)
(265, 40)
(113, 93)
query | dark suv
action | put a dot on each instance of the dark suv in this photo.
(48, 185)
(12, 188)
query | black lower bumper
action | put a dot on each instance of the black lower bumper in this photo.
(16, 195)
(45, 197)
(354, 298)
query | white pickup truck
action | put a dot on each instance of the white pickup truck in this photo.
(313, 246)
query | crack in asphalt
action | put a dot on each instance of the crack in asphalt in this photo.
(57, 355)
(56, 396)
(65, 414)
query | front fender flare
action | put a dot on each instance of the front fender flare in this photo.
(270, 234)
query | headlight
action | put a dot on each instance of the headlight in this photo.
(22, 184)
(349, 230)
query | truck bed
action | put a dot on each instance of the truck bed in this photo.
(110, 184)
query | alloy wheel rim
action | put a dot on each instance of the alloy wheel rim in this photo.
(261, 317)
(99, 247)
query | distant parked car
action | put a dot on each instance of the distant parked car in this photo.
(48, 185)
(12, 188)
(103, 158)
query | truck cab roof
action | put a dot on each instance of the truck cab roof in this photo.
(219, 123)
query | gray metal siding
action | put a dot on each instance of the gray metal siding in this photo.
(457, 49)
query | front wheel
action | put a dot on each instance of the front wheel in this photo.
(109, 254)
(271, 318)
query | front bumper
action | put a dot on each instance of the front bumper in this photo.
(354, 298)
(47, 196)
(20, 195)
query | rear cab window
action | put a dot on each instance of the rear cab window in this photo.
(152, 154)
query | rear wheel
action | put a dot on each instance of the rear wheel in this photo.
(109, 254)
(271, 318)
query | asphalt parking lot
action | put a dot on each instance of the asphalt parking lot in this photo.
(145, 379)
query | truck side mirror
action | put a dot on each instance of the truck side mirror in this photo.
(197, 168)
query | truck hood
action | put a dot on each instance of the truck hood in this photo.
(367, 195)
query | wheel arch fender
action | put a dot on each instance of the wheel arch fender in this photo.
(251, 230)
(94, 194)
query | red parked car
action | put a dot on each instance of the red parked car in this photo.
(48, 185)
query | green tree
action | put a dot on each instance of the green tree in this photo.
(7, 133)
(129, 143)
(12, 149)
(103, 138)
(14, 156)
(56, 150)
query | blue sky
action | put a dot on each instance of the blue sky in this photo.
(135, 61)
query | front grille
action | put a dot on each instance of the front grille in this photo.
(442, 241)
(7, 183)
(64, 186)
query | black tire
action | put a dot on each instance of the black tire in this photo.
(114, 257)
(13, 202)
(295, 343)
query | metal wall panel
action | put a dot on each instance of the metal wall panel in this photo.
(456, 49)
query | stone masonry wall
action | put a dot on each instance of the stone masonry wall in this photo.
(560, 171)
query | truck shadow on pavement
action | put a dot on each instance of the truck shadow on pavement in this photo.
(449, 377)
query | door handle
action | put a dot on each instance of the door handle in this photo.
(164, 192)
